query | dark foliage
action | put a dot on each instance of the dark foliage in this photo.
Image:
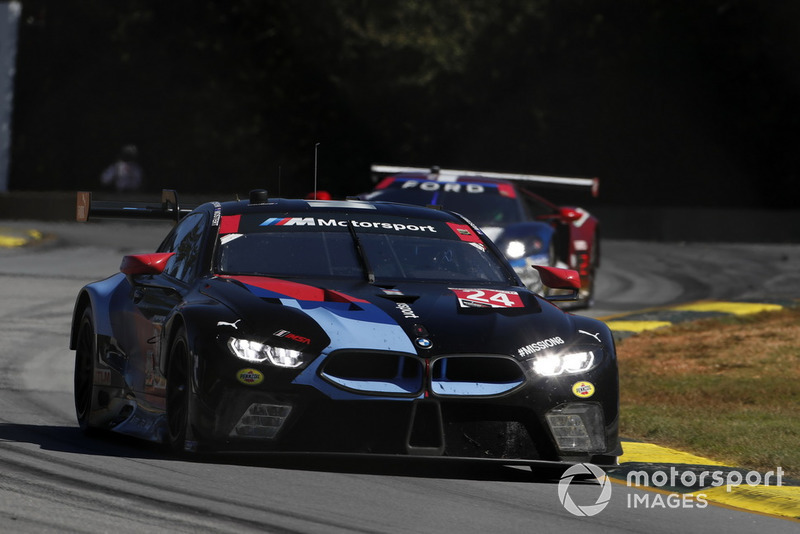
(691, 102)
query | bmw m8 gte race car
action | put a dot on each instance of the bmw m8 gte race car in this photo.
(528, 228)
(338, 326)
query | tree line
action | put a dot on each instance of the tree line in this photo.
(669, 102)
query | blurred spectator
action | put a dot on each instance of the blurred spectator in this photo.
(125, 174)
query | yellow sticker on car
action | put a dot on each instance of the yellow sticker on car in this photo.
(583, 389)
(250, 377)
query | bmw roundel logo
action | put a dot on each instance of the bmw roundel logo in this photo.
(424, 342)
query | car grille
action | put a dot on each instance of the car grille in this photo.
(475, 375)
(402, 374)
(384, 373)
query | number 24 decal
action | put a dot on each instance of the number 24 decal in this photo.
(471, 298)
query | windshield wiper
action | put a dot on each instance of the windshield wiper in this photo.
(361, 255)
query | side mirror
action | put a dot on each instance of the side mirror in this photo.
(570, 214)
(145, 263)
(563, 214)
(556, 278)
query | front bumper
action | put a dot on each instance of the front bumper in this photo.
(508, 416)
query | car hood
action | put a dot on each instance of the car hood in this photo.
(423, 318)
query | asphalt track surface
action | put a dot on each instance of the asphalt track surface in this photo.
(52, 479)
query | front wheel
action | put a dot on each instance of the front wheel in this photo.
(83, 380)
(178, 393)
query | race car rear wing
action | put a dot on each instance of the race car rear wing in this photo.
(435, 173)
(168, 209)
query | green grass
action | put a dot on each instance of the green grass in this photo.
(727, 389)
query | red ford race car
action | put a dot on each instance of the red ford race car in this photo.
(528, 228)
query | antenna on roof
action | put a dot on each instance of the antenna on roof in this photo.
(316, 149)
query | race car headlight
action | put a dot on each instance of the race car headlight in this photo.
(253, 351)
(516, 248)
(553, 364)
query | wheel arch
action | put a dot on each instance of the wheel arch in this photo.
(98, 296)
(81, 303)
(176, 322)
(195, 322)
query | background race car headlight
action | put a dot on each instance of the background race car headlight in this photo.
(254, 351)
(516, 248)
(567, 363)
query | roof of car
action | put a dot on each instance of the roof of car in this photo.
(282, 205)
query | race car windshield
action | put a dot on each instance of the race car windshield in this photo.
(486, 207)
(333, 254)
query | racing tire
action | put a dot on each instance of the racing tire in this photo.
(83, 377)
(178, 393)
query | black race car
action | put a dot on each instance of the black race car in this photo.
(338, 326)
